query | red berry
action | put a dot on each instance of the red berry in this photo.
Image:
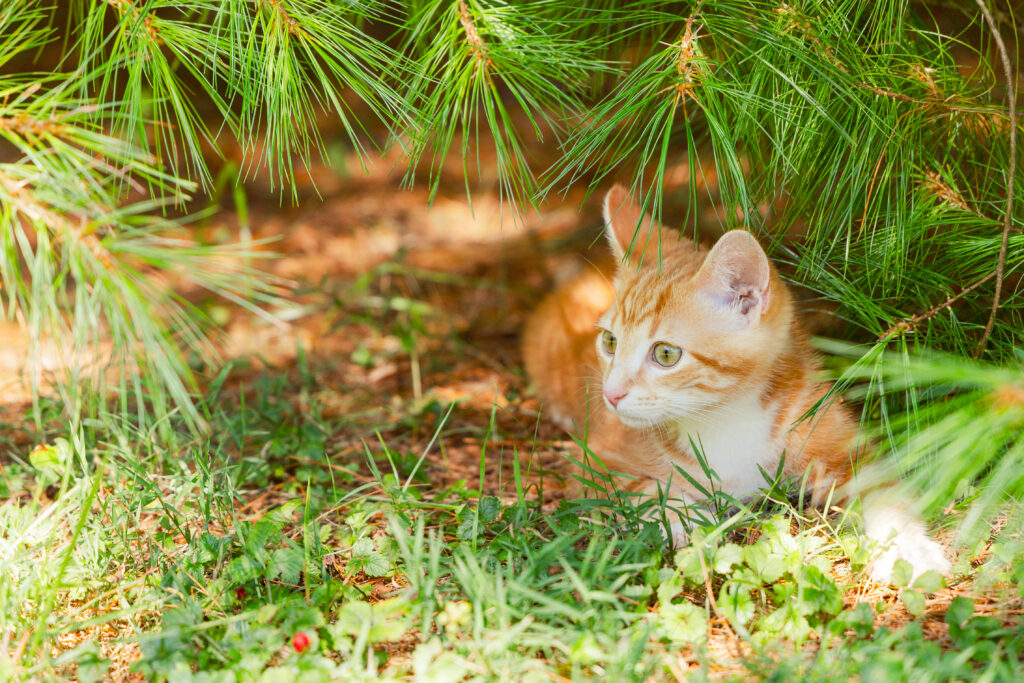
(300, 641)
(240, 593)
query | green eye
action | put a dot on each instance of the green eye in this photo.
(666, 355)
(608, 342)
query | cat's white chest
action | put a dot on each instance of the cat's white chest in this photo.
(737, 441)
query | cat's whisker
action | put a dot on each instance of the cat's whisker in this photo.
(597, 270)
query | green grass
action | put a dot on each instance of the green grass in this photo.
(253, 554)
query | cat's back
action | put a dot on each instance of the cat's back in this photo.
(559, 348)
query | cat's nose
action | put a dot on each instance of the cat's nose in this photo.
(615, 395)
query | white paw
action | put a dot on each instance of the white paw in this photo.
(901, 536)
(922, 553)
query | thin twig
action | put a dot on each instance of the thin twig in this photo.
(1011, 98)
(687, 52)
(913, 321)
(293, 26)
(476, 43)
(128, 9)
(19, 194)
(25, 125)
(947, 105)
(684, 62)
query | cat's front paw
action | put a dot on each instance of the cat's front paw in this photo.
(900, 535)
(921, 552)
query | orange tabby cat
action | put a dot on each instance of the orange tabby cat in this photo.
(690, 346)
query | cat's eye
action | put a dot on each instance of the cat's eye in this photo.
(608, 342)
(666, 355)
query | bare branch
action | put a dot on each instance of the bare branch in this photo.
(908, 324)
(1008, 216)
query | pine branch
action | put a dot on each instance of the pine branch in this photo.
(484, 67)
(911, 323)
(1011, 173)
(963, 425)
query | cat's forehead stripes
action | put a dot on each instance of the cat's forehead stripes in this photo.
(646, 298)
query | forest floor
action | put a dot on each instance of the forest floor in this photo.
(379, 498)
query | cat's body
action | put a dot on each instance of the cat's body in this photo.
(687, 347)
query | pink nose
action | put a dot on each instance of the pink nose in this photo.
(614, 396)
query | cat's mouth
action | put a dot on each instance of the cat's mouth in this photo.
(656, 414)
(634, 421)
(632, 417)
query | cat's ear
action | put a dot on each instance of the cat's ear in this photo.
(627, 227)
(736, 276)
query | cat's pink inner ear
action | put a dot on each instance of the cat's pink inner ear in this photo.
(737, 274)
(622, 218)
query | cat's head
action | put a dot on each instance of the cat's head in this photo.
(690, 329)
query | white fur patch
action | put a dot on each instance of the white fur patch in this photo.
(737, 441)
(900, 535)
